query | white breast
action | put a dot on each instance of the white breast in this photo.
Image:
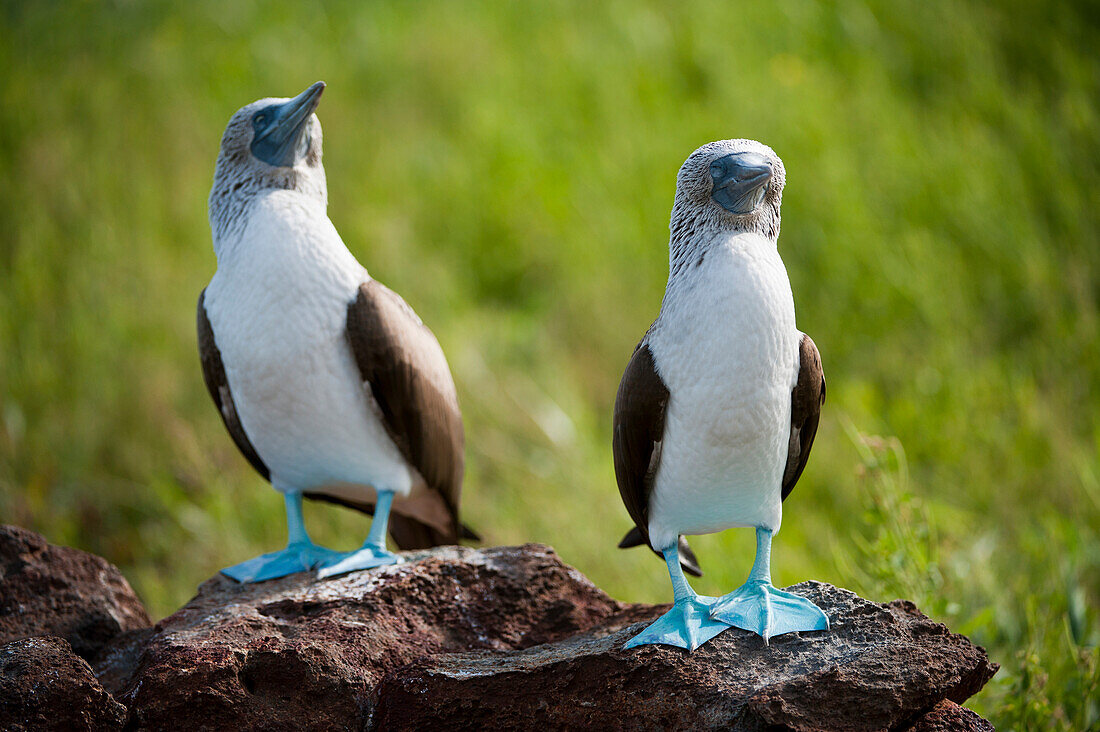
(278, 307)
(726, 346)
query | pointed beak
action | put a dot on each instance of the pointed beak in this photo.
(740, 181)
(284, 139)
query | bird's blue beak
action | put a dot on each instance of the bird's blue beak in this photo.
(740, 181)
(280, 137)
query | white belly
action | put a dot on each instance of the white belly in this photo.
(726, 346)
(278, 311)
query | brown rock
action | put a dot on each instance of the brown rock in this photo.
(55, 590)
(45, 686)
(947, 716)
(297, 653)
(510, 636)
(877, 667)
(116, 661)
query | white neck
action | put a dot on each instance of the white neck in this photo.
(706, 249)
(273, 220)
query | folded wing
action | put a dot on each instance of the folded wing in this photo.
(402, 364)
(806, 399)
(639, 427)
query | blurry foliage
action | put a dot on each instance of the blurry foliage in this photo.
(894, 553)
(509, 169)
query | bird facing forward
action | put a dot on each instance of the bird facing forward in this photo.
(719, 405)
(327, 381)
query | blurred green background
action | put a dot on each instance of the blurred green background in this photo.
(509, 168)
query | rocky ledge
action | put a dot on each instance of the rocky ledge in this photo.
(453, 638)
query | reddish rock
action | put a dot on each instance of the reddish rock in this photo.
(878, 667)
(452, 638)
(510, 636)
(298, 653)
(55, 590)
(116, 661)
(947, 716)
(45, 686)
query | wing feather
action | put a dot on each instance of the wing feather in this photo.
(402, 364)
(639, 427)
(807, 397)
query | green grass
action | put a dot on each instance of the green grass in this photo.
(509, 169)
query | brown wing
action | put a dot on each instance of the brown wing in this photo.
(213, 373)
(806, 399)
(401, 361)
(639, 428)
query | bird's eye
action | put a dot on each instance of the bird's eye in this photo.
(260, 119)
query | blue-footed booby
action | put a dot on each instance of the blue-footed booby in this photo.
(719, 405)
(327, 381)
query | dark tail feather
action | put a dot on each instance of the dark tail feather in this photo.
(408, 533)
(687, 557)
(688, 560)
(633, 538)
(467, 533)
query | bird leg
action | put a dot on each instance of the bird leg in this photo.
(300, 555)
(758, 606)
(373, 553)
(688, 624)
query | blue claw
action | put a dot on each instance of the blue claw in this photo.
(373, 553)
(365, 558)
(299, 556)
(687, 625)
(758, 606)
(767, 611)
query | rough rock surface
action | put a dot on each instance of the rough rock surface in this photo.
(947, 716)
(298, 653)
(54, 590)
(504, 637)
(45, 686)
(497, 638)
(879, 667)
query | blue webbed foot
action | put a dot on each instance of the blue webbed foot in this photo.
(364, 558)
(687, 625)
(373, 553)
(300, 556)
(760, 607)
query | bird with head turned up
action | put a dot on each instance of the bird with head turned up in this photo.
(327, 381)
(719, 405)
